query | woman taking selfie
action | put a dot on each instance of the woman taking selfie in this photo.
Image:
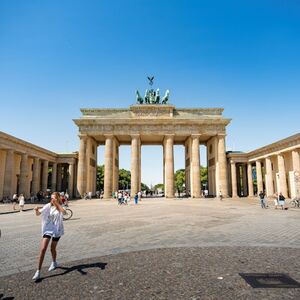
(52, 229)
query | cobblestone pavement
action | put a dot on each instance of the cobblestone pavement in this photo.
(101, 231)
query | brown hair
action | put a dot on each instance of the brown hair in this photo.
(57, 197)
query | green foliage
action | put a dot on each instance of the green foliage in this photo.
(159, 186)
(100, 178)
(180, 180)
(144, 187)
(204, 176)
(124, 179)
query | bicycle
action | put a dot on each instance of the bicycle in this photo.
(295, 203)
(69, 213)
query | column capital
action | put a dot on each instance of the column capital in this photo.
(195, 136)
(108, 136)
(221, 135)
(167, 136)
(232, 162)
(135, 135)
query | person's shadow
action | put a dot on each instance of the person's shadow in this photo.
(78, 268)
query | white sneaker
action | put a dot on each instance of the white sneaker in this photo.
(53, 266)
(37, 275)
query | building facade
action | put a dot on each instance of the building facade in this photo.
(26, 168)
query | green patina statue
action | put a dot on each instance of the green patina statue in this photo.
(152, 96)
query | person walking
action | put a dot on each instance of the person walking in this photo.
(21, 202)
(220, 196)
(15, 200)
(281, 200)
(52, 228)
(262, 199)
(136, 198)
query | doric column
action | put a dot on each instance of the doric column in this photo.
(115, 166)
(250, 180)
(282, 176)
(82, 169)
(53, 177)
(259, 177)
(36, 175)
(169, 166)
(295, 160)
(135, 176)
(24, 184)
(244, 170)
(233, 179)
(222, 165)
(140, 166)
(108, 166)
(59, 177)
(45, 175)
(71, 180)
(8, 188)
(195, 168)
(269, 178)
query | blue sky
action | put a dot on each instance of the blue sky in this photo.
(59, 56)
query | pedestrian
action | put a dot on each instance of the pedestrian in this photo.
(52, 229)
(15, 200)
(220, 196)
(262, 199)
(21, 202)
(140, 195)
(281, 200)
(136, 198)
(120, 197)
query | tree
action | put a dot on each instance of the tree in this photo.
(124, 179)
(159, 186)
(204, 176)
(144, 187)
(100, 178)
(180, 180)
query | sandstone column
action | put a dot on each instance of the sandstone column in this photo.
(54, 176)
(23, 187)
(59, 177)
(169, 166)
(250, 180)
(36, 176)
(135, 176)
(115, 166)
(108, 166)
(223, 184)
(296, 160)
(71, 180)
(282, 176)
(244, 170)
(195, 164)
(8, 188)
(269, 178)
(45, 175)
(82, 169)
(233, 179)
(259, 177)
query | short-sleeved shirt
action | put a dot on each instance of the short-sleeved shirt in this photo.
(52, 221)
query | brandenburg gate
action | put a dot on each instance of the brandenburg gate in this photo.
(153, 124)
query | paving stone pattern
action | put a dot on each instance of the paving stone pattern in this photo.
(198, 240)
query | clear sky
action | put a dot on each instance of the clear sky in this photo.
(59, 56)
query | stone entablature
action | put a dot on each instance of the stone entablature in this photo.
(152, 120)
(288, 144)
(10, 142)
(25, 168)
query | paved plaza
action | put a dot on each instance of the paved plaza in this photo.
(158, 249)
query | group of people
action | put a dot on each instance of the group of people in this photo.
(279, 200)
(123, 197)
